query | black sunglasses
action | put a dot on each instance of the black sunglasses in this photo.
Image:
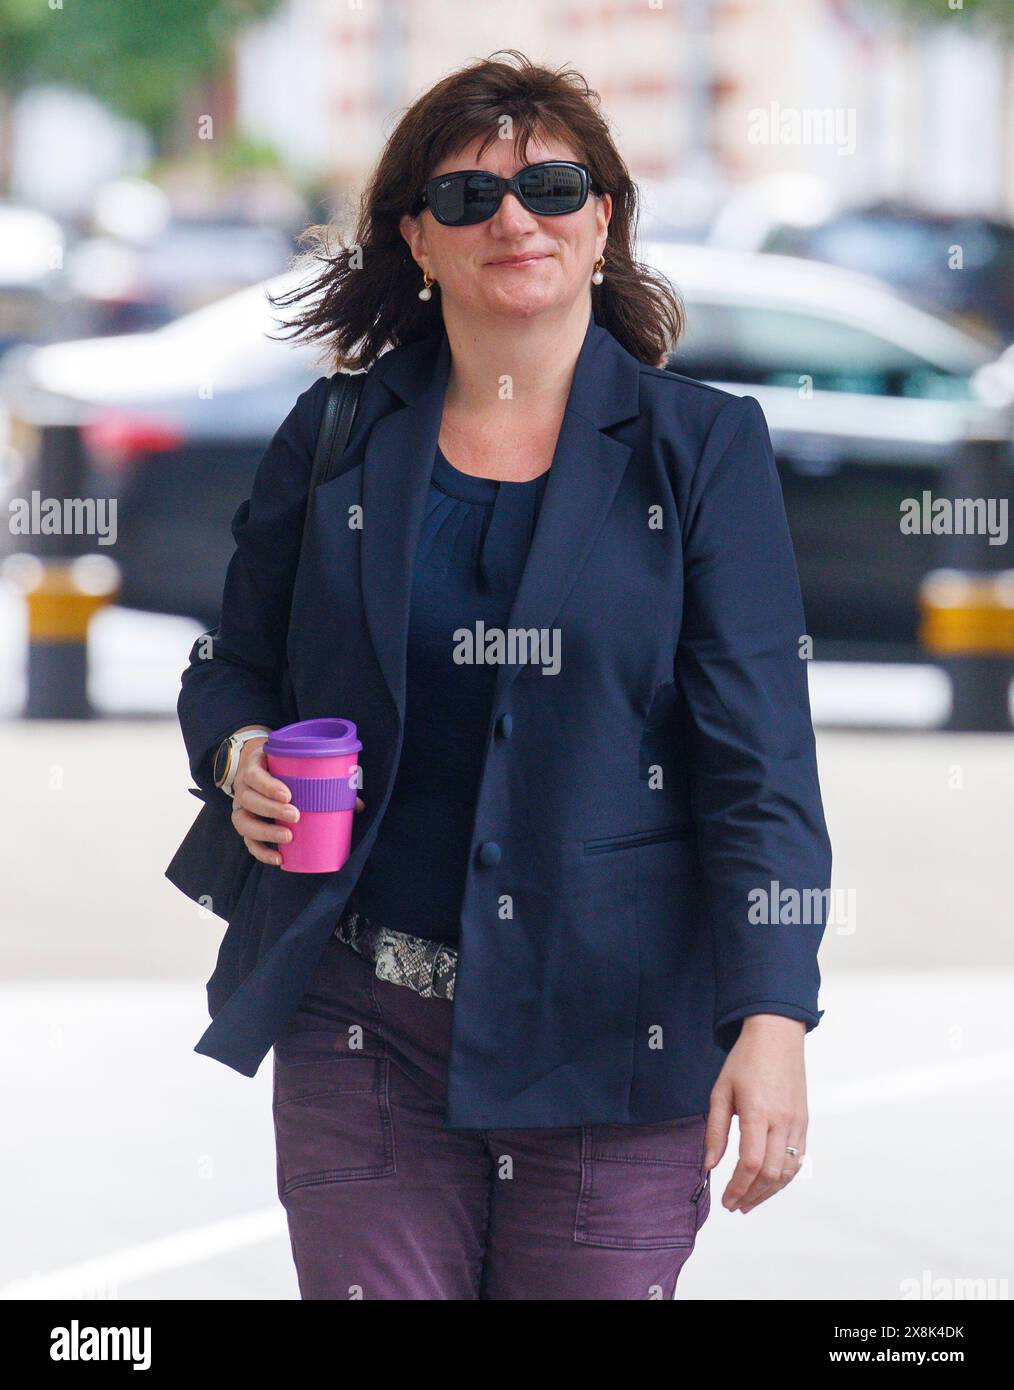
(550, 188)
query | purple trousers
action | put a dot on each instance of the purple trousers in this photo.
(383, 1202)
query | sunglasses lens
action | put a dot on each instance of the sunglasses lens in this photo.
(461, 199)
(553, 189)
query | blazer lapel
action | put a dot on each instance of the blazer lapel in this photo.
(583, 479)
(585, 473)
(397, 469)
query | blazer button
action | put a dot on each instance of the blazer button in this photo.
(489, 853)
(505, 725)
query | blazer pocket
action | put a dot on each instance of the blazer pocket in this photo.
(641, 1185)
(332, 1117)
(638, 837)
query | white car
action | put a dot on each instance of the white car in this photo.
(869, 399)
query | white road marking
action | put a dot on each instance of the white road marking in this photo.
(108, 1272)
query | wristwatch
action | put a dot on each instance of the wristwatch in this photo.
(227, 758)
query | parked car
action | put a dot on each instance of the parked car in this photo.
(866, 397)
(914, 249)
(172, 424)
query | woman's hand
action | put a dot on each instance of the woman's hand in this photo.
(258, 799)
(763, 1081)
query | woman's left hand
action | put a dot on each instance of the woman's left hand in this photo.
(763, 1081)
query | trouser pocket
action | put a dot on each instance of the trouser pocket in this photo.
(331, 1108)
(643, 1187)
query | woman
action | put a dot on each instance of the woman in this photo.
(553, 585)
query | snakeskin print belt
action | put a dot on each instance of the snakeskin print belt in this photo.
(428, 967)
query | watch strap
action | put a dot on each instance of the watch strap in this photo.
(237, 741)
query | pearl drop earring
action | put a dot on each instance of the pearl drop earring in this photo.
(426, 292)
(598, 277)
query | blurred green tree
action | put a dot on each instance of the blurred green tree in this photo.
(993, 14)
(142, 57)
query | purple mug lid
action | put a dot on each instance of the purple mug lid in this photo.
(314, 738)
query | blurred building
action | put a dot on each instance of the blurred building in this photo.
(687, 85)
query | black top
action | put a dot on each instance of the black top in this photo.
(472, 547)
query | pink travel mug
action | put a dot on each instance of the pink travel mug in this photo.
(317, 761)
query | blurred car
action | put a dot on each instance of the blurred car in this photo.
(172, 424)
(122, 286)
(31, 251)
(866, 397)
(912, 250)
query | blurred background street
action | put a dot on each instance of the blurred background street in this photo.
(830, 185)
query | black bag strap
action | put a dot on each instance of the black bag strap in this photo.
(343, 392)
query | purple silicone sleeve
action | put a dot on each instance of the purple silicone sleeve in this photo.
(321, 793)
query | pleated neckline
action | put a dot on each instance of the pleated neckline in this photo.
(469, 488)
(496, 522)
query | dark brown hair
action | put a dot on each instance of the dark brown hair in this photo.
(363, 304)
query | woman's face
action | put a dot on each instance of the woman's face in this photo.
(469, 262)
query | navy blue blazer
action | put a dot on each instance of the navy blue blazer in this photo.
(636, 808)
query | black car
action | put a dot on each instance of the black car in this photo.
(961, 265)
